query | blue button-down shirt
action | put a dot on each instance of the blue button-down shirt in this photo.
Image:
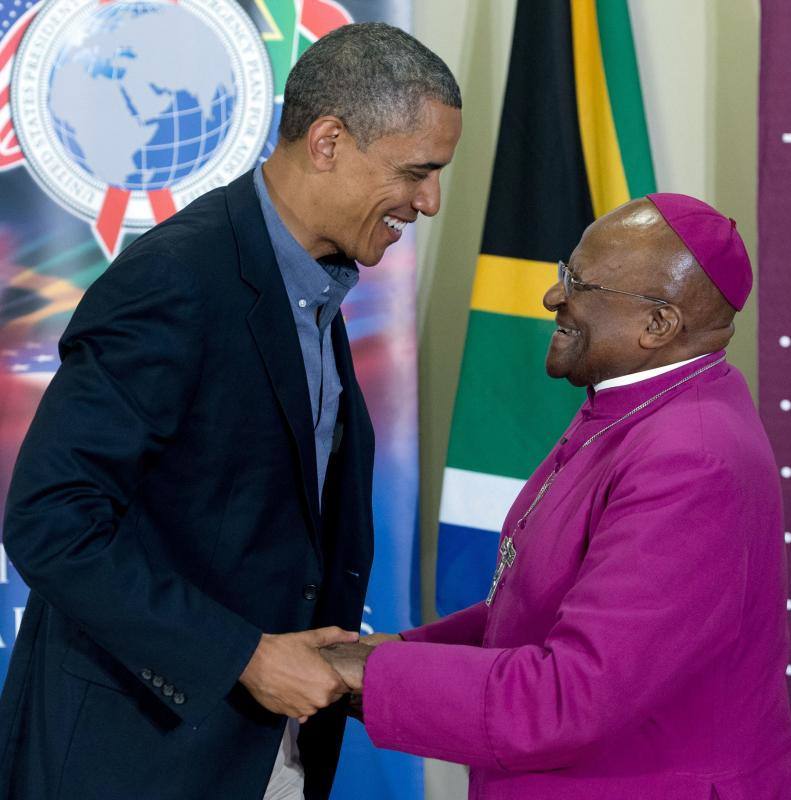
(315, 292)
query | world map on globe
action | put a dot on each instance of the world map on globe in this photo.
(134, 108)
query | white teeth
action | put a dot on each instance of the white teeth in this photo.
(395, 224)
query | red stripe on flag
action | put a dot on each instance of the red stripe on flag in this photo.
(323, 16)
(111, 218)
(10, 153)
(4, 97)
(162, 204)
(11, 160)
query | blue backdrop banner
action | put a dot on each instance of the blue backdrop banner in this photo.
(98, 142)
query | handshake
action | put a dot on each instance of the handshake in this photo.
(296, 674)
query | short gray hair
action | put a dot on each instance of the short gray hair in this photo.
(372, 76)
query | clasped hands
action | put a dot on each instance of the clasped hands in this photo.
(296, 674)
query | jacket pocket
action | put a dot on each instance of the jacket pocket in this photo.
(85, 659)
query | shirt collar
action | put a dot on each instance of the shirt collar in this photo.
(636, 377)
(617, 400)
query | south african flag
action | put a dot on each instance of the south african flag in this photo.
(573, 145)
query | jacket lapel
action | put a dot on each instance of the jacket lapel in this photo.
(271, 323)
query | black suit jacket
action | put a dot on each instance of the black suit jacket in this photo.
(164, 512)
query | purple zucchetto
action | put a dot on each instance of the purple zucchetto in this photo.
(713, 240)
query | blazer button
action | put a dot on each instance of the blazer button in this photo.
(158, 681)
(179, 698)
(310, 591)
(168, 689)
(146, 674)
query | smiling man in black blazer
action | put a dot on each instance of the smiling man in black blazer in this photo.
(192, 504)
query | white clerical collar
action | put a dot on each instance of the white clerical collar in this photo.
(636, 377)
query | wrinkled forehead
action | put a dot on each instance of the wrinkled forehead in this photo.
(430, 142)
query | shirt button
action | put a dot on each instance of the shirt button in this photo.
(179, 698)
(158, 681)
(302, 303)
(146, 674)
(310, 591)
(168, 689)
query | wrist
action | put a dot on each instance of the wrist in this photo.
(246, 678)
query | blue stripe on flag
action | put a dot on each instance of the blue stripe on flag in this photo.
(466, 558)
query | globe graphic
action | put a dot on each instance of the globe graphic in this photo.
(141, 95)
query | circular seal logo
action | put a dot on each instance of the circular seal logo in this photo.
(121, 124)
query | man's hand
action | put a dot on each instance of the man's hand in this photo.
(288, 676)
(377, 638)
(348, 660)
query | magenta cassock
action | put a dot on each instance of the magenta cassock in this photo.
(636, 650)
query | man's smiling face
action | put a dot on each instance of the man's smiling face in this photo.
(378, 191)
(598, 333)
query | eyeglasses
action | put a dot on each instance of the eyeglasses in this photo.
(566, 277)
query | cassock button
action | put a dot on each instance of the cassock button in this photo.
(168, 689)
(146, 674)
(179, 698)
(158, 681)
(310, 591)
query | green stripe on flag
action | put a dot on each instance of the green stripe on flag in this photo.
(626, 99)
(509, 413)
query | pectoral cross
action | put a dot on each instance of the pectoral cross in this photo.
(507, 558)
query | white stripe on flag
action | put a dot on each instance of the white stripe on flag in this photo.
(476, 499)
(5, 74)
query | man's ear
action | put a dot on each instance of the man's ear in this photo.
(665, 323)
(322, 141)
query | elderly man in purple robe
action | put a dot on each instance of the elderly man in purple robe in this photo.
(634, 641)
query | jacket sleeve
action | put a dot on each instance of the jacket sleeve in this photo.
(463, 627)
(131, 362)
(648, 610)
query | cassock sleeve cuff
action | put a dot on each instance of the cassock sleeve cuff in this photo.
(429, 700)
